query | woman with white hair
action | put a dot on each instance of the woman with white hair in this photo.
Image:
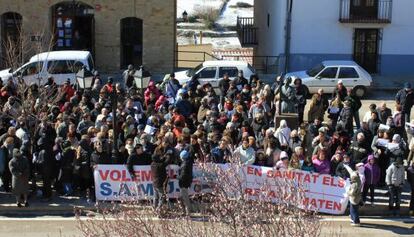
(283, 135)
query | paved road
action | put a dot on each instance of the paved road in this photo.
(67, 226)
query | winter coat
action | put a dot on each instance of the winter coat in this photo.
(66, 165)
(20, 170)
(246, 156)
(395, 153)
(384, 114)
(316, 109)
(395, 175)
(373, 125)
(372, 174)
(346, 118)
(405, 99)
(358, 152)
(135, 159)
(342, 93)
(410, 177)
(158, 168)
(82, 162)
(172, 88)
(354, 191)
(218, 155)
(100, 158)
(321, 166)
(342, 172)
(184, 107)
(151, 89)
(185, 177)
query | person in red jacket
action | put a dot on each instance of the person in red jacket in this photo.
(151, 89)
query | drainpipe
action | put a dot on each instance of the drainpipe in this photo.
(288, 31)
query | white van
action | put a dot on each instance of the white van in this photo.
(61, 65)
(212, 71)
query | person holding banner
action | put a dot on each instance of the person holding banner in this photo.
(162, 157)
(355, 198)
(185, 178)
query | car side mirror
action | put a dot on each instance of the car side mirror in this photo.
(318, 77)
(10, 70)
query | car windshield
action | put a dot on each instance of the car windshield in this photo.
(193, 71)
(315, 70)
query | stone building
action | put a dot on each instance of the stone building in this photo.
(117, 32)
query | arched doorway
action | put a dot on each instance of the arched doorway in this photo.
(73, 26)
(131, 41)
(11, 25)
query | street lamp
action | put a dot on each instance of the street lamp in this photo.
(142, 78)
(84, 78)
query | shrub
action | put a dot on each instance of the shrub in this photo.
(209, 15)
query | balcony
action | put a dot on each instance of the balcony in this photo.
(365, 11)
(246, 31)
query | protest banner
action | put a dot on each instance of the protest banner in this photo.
(324, 193)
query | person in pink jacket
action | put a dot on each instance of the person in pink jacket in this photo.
(372, 177)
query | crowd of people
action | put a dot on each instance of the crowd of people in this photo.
(59, 146)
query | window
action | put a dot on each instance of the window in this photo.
(64, 66)
(31, 69)
(208, 72)
(348, 72)
(329, 72)
(91, 64)
(315, 70)
(231, 71)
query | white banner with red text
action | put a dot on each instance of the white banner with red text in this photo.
(324, 193)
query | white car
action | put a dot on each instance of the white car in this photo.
(327, 74)
(61, 65)
(212, 71)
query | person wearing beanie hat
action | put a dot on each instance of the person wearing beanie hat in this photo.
(20, 170)
(395, 181)
(185, 178)
(405, 99)
(372, 177)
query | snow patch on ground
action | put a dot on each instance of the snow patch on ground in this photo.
(229, 16)
(192, 6)
(217, 42)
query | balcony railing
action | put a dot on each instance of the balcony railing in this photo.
(246, 31)
(365, 11)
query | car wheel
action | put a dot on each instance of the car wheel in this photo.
(360, 91)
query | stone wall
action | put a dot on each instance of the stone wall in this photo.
(158, 28)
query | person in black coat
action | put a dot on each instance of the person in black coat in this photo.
(341, 90)
(301, 96)
(46, 164)
(82, 168)
(346, 118)
(240, 81)
(66, 167)
(358, 149)
(101, 155)
(341, 171)
(162, 157)
(185, 178)
(138, 157)
(410, 179)
(405, 98)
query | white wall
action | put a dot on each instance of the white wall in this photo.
(270, 39)
(398, 37)
(316, 28)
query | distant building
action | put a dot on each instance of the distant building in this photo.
(117, 32)
(377, 34)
